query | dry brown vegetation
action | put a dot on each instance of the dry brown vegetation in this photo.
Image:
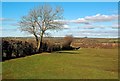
(20, 47)
(76, 42)
(96, 43)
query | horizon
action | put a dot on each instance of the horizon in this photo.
(91, 20)
(60, 37)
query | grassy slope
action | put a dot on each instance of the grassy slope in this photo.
(82, 64)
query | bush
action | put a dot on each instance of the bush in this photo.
(51, 46)
(14, 49)
(6, 49)
(67, 42)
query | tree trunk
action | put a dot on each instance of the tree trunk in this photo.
(41, 39)
(38, 46)
(37, 42)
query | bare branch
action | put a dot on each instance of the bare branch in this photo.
(40, 19)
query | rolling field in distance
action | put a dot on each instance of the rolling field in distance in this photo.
(77, 42)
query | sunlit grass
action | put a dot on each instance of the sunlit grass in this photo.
(75, 64)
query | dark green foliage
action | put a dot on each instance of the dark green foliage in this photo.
(14, 49)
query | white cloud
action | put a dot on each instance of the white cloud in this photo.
(97, 33)
(15, 24)
(101, 18)
(1, 19)
(3, 29)
(6, 19)
(92, 26)
(88, 26)
(91, 19)
(115, 26)
(79, 21)
(65, 26)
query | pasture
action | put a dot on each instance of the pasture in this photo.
(86, 63)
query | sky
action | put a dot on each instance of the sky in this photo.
(84, 19)
(60, 0)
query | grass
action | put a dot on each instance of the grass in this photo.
(86, 63)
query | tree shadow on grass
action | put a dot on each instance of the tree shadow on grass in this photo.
(67, 52)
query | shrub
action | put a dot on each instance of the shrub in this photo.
(67, 42)
(50, 46)
(14, 49)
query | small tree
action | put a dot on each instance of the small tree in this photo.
(41, 19)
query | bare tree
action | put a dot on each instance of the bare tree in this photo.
(40, 19)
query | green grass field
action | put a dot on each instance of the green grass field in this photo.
(86, 63)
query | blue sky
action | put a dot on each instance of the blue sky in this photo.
(101, 18)
(60, 0)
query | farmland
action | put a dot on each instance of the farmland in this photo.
(86, 63)
(96, 59)
(82, 42)
(59, 40)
